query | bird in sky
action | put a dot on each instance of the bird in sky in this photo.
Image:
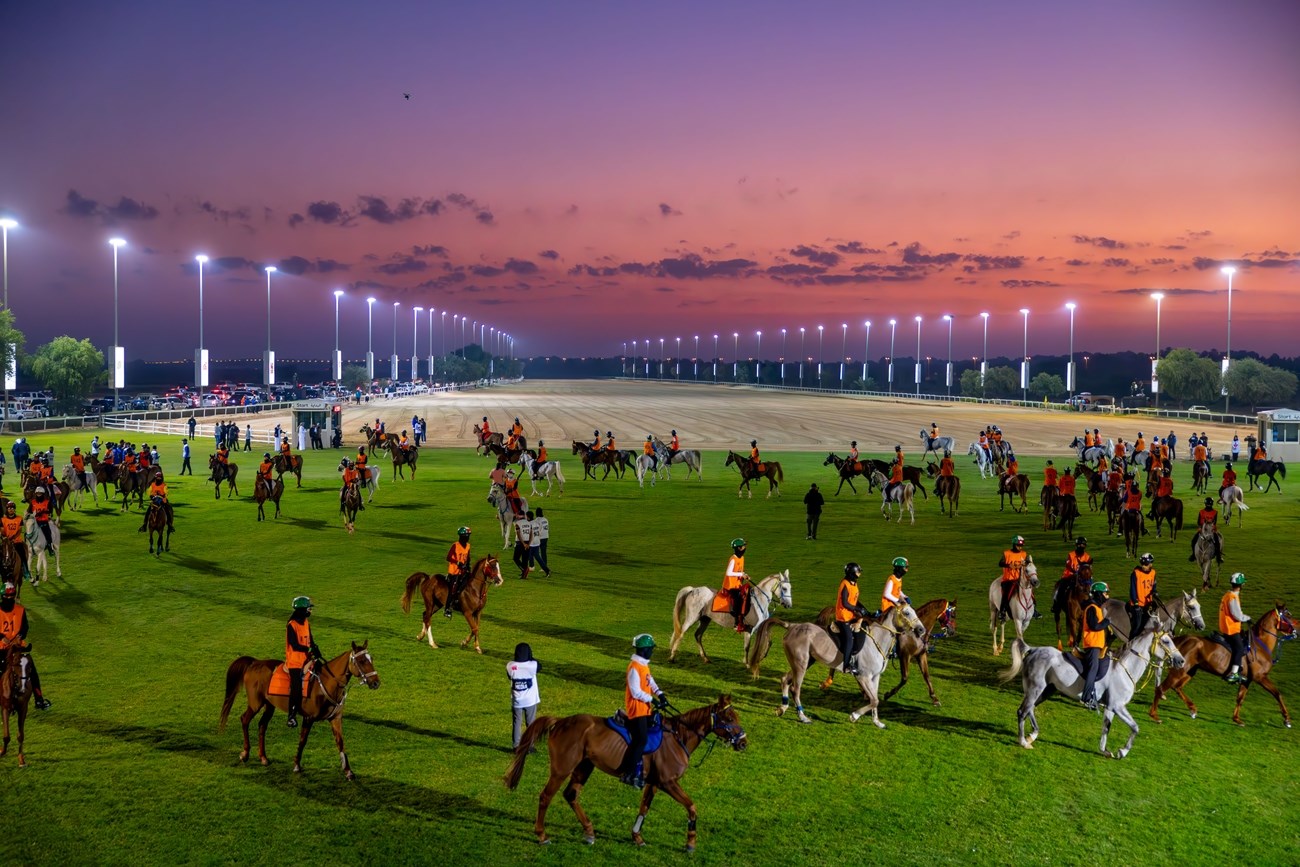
(406, 96)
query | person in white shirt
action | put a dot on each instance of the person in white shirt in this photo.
(534, 542)
(524, 696)
(542, 527)
(523, 539)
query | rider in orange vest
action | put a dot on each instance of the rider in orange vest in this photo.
(485, 432)
(609, 444)
(78, 462)
(1164, 488)
(1087, 439)
(511, 487)
(11, 528)
(360, 461)
(541, 460)
(754, 456)
(648, 447)
(13, 637)
(674, 446)
(458, 569)
(734, 581)
(1231, 617)
(1142, 595)
(895, 473)
(848, 612)
(157, 495)
(641, 697)
(350, 479)
(286, 451)
(40, 507)
(893, 593)
(1049, 476)
(264, 471)
(853, 456)
(1208, 515)
(1095, 624)
(1067, 483)
(1013, 565)
(300, 652)
(1133, 502)
(1077, 558)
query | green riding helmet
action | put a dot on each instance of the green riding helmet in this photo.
(643, 641)
(900, 561)
(301, 602)
(738, 542)
(1100, 587)
(1237, 579)
(1017, 540)
(462, 531)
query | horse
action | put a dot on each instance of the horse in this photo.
(16, 690)
(1092, 454)
(903, 494)
(1045, 670)
(690, 457)
(547, 470)
(583, 743)
(1168, 510)
(223, 472)
(1092, 481)
(104, 473)
(694, 607)
(938, 445)
(156, 523)
(1186, 609)
(1201, 476)
(326, 693)
(847, 469)
(76, 486)
(494, 438)
(505, 514)
(982, 460)
(770, 470)
(402, 457)
(261, 494)
(287, 464)
(1229, 497)
(910, 474)
(1111, 502)
(945, 487)
(1022, 605)
(597, 457)
(942, 612)
(1203, 551)
(1047, 498)
(646, 464)
(37, 547)
(1065, 514)
(369, 478)
(805, 643)
(1009, 487)
(1068, 598)
(349, 505)
(132, 482)
(485, 572)
(1206, 654)
(1272, 469)
(375, 439)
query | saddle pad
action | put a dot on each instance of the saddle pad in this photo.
(656, 735)
(280, 682)
(1077, 663)
(721, 602)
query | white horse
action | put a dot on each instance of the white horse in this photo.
(690, 457)
(646, 465)
(371, 484)
(1045, 670)
(1203, 550)
(548, 470)
(1229, 497)
(40, 564)
(902, 494)
(505, 514)
(982, 460)
(1186, 609)
(938, 445)
(694, 607)
(77, 488)
(1022, 605)
(1091, 454)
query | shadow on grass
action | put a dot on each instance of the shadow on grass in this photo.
(196, 564)
(407, 728)
(69, 601)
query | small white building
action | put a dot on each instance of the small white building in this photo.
(1279, 431)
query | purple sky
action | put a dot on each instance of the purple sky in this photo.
(582, 175)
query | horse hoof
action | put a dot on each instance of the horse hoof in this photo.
(349, 775)
(545, 841)
(1193, 714)
(590, 840)
(1027, 745)
(243, 757)
(267, 762)
(1287, 723)
(690, 849)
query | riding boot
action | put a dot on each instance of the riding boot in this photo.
(295, 697)
(450, 607)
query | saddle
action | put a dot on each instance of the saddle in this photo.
(857, 466)
(279, 684)
(1077, 664)
(618, 722)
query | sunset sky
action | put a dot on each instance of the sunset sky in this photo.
(584, 174)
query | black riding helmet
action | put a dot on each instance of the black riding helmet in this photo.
(1081, 542)
(852, 571)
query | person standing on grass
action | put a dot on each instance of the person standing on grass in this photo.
(524, 695)
(193, 423)
(534, 542)
(248, 437)
(523, 537)
(813, 502)
(543, 530)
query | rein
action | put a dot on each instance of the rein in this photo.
(348, 673)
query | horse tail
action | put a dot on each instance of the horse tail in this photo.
(234, 680)
(414, 581)
(678, 604)
(780, 477)
(760, 642)
(1018, 652)
(531, 736)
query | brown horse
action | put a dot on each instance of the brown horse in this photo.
(223, 473)
(287, 464)
(1111, 502)
(942, 612)
(1066, 513)
(1130, 527)
(583, 743)
(15, 692)
(847, 469)
(349, 505)
(945, 487)
(1168, 510)
(104, 473)
(402, 457)
(495, 438)
(156, 523)
(1011, 487)
(770, 470)
(261, 495)
(610, 460)
(1047, 498)
(473, 598)
(1092, 481)
(324, 699)
(1068, 597)
(1200, 476)
(57, 491)
(133, 482)
(1210, 656)
(375, 439)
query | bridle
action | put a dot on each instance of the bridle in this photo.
(353, 669)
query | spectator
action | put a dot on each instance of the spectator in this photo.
(302, 437)
(813, 501)
(542, 527)
(524, 697)
(185, 458)
(534, 542)
(523, 539)
(193, 423)
(248, 437)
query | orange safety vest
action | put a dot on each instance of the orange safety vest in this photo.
(1140, 445)
(1164, 451)
(1087, 440)
(517, 429)
(1015, 561)
(158, 489)
(1113, 481)
(674, 444)
(1013, 468)
(265, 469)
(12, 528)
(733, 582)
(10, 623)
(361, 460)
(1073, 561)
(842, 614)
(1146, 582)
(1166, 487)
(78, 463)
(41, 509)
(894, 585)
(297, 658)
(458, 554)
(1133, 500)
(1067, 485)
(223, 455)
(1093, 638)
(896, 473)
(1206, 516)
(1229, 477)
(609, 446)
(1119, 449)
(1228, 624)
(945, 467)
(648, 447)
(1049, 477)
(634, 707)
(1102, 464)
(285, 449)
(350, 476)
(1199, 453)
(541, 455)
(753, 454)
(1260, 454)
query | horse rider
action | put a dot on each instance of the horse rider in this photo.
(404, 442)
(223, 462)
(947, 469)
(1087, 439)
(1200, 455)
(648, 448)
(754, 457)
(641, 696)
(934, 433)
(1077, 559)
(1139, 446)
(157, 495)
(511, 487)
(457, 569)
(1012, 565)
(609, 441)
(1231, 617)
(1205, 441)
(360, 461)
(734, 580)
(541, 458)
(848, 613)
(674, 446)
(350, 479)
(1121, 448)
(40, 507)
(853, 456)
(264, 471)
(11, 528)
(595, 442)
(1133, 501)
(1095, 624)
(1229, 478)
(517, 429)
(1067, 484)
(300, 652)
(1142, 595)
(47, 479)
(1013, 470)
(984, 444)
(1050, 476)
(13, 636)
(1164, 488)
(893, 593)
(380, 430)
(485, 432)
(895, 472)
(512, 441)
(1208, 515)
(78, 462)
(498, 474)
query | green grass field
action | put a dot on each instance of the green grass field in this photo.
(129, 767)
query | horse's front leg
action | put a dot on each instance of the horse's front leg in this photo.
(336, 725)
(674, 791)
(646, 797)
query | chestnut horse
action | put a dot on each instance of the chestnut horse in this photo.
(582, 743)
(15, 692)
(473, 598)
(261, 494)
(402, 457)
(324, 699)
(287, 464)
(771, 470)
(223, 472)
(940, 612)
(1207, 655)
(492, 439)
(1068, 598)
(1010, 488)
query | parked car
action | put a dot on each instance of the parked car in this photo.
(1198, 408)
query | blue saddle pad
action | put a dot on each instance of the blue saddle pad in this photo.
(1078, 664)
(656, 734)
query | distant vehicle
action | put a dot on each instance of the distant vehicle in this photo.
(1198, 408)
